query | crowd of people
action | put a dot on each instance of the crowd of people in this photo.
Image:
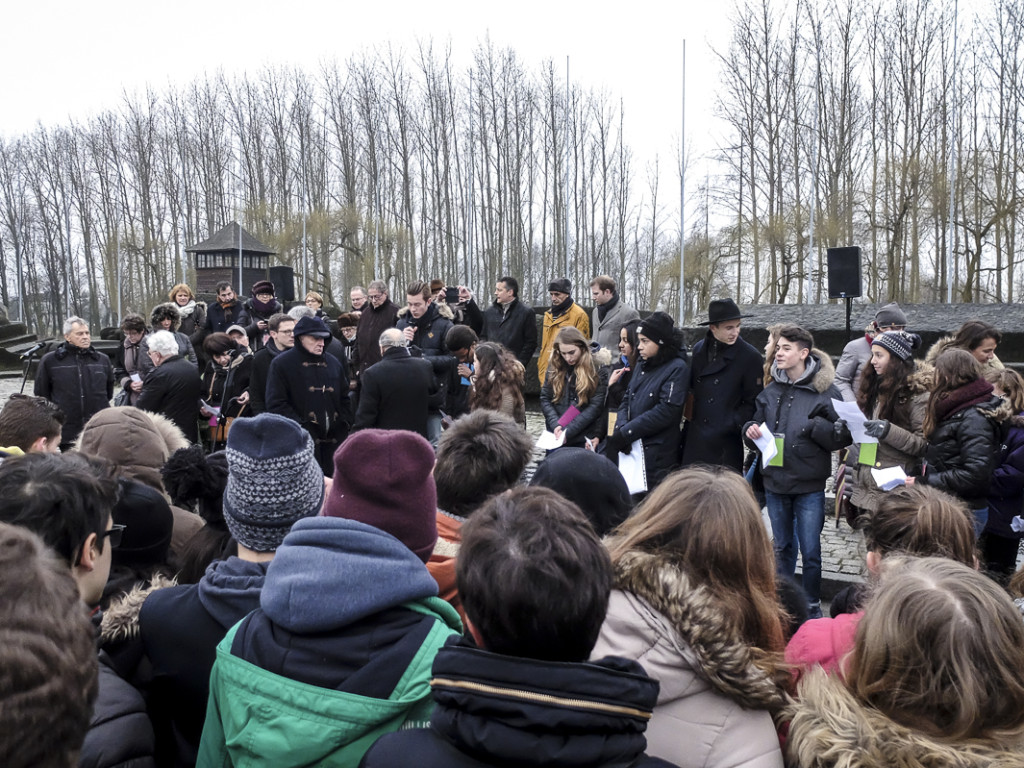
(304, 538)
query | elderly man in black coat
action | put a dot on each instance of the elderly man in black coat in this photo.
(173, 387)
(77, 377)
(726, 376)
(396, 392)
(310, 386)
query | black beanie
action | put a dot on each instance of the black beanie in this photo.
(590, 481)
(148, 522)
(659, 328)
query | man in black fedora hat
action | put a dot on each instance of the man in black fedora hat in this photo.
(726, 376)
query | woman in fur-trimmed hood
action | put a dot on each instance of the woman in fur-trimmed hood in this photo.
(977, 337)
(923, 687)
(695, 603)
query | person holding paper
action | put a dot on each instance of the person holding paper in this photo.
(653, 405)
(797, 406)
(893, 395)
(574, 390)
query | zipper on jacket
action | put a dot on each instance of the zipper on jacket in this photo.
(541, 697)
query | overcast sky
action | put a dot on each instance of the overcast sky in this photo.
(62, 59)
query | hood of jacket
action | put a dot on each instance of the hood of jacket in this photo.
(121, 618)
(231, 588)
(433, 310)
(137, 442)
(718, 654)
(946, 342)
(342, 558)
(171, 309)
(819, 376)
(544, 713)
(829, 726)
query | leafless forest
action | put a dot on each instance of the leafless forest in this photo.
(842, 121)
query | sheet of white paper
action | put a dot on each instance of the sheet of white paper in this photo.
(211, 408)
(136, 378)
(850, 413)
(633, 468)
(889, 478)
(548, 442)
(766, 445)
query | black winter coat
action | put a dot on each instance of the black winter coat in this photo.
(652, 410)
(515, 329)
(313, 391)
(172, 389)
(80, 381)
(590, 422)
(219, 319)
(180, 628)
(396, 393)
(725, 381)
(431, 329)
(120, 733)
(495, 710)
(255, 315)
(808, 440)
(218, 390)
(258, 377)
(962, 452)
(373, 321)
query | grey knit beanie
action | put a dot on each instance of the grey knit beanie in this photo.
(273, 480)
(899, 343)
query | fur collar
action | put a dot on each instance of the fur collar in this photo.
(822, 378)
(443, 310)
(726, 661)
(121, 619)
(946, 342)
(830, 727)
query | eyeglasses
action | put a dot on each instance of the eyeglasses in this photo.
(375, 296)
(115, 533)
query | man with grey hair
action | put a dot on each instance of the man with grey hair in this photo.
(359, 300)
(397, 391)
(173, 387)
(77, 377)
(377, 316)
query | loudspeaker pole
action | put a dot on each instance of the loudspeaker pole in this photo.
(849, 303)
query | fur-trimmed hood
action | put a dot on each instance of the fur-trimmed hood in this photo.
(137, 442)
(715, 650)
(830, 727)
(946, 342)
(163, 311)
(443, 310)
(821, 378)
(121, 619)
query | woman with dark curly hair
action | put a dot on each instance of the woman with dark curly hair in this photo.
(497, 382)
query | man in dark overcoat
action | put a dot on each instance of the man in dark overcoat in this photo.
(726, 376)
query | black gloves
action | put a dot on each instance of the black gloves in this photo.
(877, 428)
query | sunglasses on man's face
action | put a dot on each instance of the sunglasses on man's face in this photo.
(115, 533)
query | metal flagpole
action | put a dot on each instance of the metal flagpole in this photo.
(952, 165)
(682, 201)
(565, 143)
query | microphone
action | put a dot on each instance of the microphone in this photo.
(30, 352)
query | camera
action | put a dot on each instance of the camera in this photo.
(451, 295)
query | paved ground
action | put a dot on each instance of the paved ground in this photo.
(842, 548)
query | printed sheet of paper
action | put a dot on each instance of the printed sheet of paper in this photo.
(850, 413)
(887, 479)
(548, 442)
(633, 468)
(136, 378)
(766, 445)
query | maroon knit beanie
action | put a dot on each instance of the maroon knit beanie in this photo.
(384, 478)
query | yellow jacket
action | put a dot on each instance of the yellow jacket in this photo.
(576, 316)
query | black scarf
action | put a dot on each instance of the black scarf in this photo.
(562, 308)
(608, 306)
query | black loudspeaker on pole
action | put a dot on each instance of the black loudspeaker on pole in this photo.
(283, 278)
(844, 273)
(844, 276)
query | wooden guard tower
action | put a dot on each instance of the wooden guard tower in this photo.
(216, 259)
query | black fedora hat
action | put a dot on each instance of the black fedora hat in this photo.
(721, 310)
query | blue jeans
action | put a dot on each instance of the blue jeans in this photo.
(980, 519)
(798, 519)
